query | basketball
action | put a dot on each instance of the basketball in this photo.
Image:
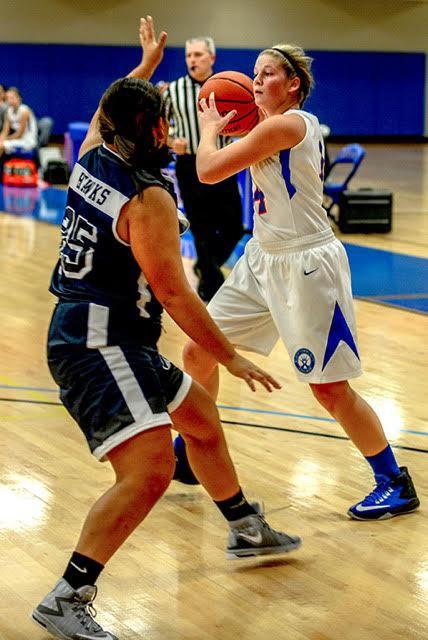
(233, 90)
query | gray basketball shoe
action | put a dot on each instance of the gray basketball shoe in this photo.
(69, 615)
(252, 536)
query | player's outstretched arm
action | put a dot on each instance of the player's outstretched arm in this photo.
(151, 228)
(267, 138)
(152, 54)
(152, 49)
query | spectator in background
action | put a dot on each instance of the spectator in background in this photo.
(214, 211)
(3, 104)
(19, 129)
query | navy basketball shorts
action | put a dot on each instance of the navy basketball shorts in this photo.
(116, 392)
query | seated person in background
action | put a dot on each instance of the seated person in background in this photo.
(20, 127)
(3, 104)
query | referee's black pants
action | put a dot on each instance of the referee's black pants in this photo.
(215, 215)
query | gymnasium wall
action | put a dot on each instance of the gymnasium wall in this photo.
(369, 25)
(370, 56)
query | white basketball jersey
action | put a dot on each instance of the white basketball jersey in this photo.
(15, 116)
(288, 188)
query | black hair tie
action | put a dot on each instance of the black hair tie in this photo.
(288, 58)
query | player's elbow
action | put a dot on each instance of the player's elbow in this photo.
(206, 176)
(172, 296)
(206, 179)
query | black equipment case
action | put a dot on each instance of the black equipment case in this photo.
(365, 211)
(56, 172)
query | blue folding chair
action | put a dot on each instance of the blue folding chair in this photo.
(351, 155)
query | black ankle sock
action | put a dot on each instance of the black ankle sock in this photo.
(82, 570)
(235, 507)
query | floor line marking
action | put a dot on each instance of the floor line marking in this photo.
(221, 406)
(313, 433)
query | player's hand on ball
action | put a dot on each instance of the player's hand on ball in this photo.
(227, 98)
(210, 117)
(243, 368)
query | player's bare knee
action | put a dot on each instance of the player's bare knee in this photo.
(329, 395)
(190, 352)
(151, 482)
(162, 469)
(207, 438)
(154, 471)
(194, 357)
(159, 480)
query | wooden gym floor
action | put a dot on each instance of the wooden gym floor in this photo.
(171, 581)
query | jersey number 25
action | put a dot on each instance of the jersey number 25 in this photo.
(79, 238)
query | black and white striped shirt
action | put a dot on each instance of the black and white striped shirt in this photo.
(181, 99)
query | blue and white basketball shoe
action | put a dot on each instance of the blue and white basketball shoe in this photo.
(183, 471)
(388, 499)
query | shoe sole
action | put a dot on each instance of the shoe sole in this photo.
(385, 516)
(42, 622)
(45, 624)
(263, 551)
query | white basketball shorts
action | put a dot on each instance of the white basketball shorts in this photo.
(299, 291)
(24, 144)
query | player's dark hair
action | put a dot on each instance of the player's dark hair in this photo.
(295, 63)
(129, 111)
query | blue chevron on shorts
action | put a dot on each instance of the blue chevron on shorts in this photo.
(339, 331)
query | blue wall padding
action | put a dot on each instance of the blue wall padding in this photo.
(356, 93)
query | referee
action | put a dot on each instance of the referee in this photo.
(214, 211)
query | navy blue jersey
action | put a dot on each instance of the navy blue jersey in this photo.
(104, 298)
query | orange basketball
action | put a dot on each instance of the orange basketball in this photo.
(233, 90)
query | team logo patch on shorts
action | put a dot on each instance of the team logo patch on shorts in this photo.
(304, 360)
